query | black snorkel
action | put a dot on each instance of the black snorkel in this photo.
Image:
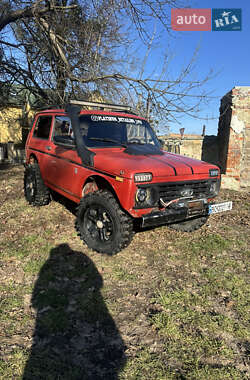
(86, 156)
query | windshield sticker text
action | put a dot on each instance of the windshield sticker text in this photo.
(115, 119)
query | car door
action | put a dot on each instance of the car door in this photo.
(65, 159)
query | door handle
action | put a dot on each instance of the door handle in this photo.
(48, 147)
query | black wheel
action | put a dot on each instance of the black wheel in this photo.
(189, 225)
(101, 223)
(35, 191)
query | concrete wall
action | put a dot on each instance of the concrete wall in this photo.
(189, 145)
(234, 138)
(13, 133)
(10, 129)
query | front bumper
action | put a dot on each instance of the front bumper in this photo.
(181, 211)
(163, 217)
(176, 212)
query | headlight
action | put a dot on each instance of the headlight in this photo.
(142, 195)
(214, 188)
(143, 177)
(214, 172)
(146, 197)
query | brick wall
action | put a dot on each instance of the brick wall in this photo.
(230, 149)
(234, 138)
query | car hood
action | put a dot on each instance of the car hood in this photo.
(117, 162)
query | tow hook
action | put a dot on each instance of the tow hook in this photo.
(164, 204)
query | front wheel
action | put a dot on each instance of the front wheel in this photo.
(101, 223)
(189, 225)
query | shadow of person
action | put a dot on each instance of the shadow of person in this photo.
(75, 337)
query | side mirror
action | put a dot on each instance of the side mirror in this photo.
(162, 143)
(64, 140)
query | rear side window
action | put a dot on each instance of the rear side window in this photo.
(43, 126)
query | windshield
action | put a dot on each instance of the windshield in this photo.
(110, 131)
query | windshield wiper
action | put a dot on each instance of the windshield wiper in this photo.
(107, 140)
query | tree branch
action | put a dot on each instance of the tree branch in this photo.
(29, 12)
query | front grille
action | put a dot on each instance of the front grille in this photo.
(169, 191)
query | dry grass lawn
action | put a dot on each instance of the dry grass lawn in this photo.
(170, 306)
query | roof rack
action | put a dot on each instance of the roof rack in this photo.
(102, 106)
(49, 107)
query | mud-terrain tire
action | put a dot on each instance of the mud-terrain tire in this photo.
(35, 191)
(101, 223)
(189, 225)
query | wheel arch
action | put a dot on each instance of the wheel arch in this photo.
(101, 184)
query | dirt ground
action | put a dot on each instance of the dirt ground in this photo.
(170, 306)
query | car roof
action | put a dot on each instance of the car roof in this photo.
(62, 112)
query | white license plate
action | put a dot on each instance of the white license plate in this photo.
(220, 207)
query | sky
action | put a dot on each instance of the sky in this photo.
(226, 52)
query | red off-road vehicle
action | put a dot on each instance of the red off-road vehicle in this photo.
(111, 163)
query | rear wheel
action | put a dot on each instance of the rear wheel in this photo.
(189, 225)
(35, 191)
(101, 223)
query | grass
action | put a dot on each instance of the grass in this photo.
(171, 306)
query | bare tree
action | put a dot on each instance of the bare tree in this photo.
(63, 48)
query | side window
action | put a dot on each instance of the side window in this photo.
(135, 131)
(139, 133)
(62, 130)
(42, 128)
